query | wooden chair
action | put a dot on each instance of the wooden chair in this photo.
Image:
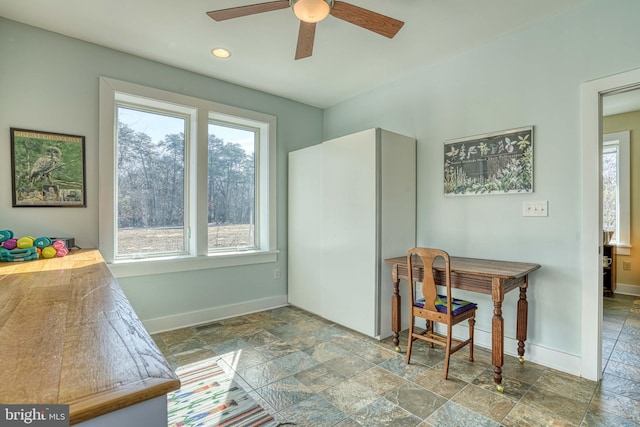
(437, 308)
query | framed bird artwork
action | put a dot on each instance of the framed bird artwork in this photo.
(47, 169)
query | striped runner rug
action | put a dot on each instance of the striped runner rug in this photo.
(209, 397)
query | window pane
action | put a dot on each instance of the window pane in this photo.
(610, 190)
(231, 187)
(150, 182)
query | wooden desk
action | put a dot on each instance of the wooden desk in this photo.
(68, 335)
(490, 277)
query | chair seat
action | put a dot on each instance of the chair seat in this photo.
(458, 306)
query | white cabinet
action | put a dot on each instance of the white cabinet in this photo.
(352, 203)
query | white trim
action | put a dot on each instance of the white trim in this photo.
(569, 363)
(149, 266)
(626, 289)
(199, 317)
(623, 249)
(591, 332)
(107, 168)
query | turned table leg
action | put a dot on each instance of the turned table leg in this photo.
(521, 329)
(395, 307)
(497, 332)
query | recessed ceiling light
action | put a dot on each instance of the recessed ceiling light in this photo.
(220, 52)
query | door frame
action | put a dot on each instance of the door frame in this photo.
(591, 333)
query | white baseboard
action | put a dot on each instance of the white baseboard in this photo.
(623, 288)
(199, 317)
(568, 363)
(561, 361)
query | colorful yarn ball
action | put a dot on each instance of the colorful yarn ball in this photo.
(49, 252)
(25, 242)
(10, 244)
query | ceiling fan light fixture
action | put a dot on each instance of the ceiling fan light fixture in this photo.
(311, 11)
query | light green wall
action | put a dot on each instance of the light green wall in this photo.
(50, 82)
(530, 77)
(631, 122)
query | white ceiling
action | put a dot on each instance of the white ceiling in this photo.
(623, 102)
(347, 60)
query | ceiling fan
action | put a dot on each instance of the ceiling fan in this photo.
(309, 12)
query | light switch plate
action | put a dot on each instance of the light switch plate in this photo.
(535, 208)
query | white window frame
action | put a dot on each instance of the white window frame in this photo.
(158, 107)
(261, 165)
(623, 223)
(111, 91)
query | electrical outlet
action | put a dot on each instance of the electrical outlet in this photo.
(276, 273)
(626, 265)
(539, 208)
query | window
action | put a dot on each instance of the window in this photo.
(184, 181)
(616, 189)
(150, 182)
(231, 202)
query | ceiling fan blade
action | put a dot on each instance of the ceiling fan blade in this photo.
(306, 34)
(365, 18)
(252, 9)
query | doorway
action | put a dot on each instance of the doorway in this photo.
(592, 102)
(620, 118)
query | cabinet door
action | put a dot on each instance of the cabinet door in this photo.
(304, 229)
(349, 231)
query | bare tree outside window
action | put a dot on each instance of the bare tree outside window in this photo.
(610, 189)
(231, 187)
(150, 187)
(151, 176)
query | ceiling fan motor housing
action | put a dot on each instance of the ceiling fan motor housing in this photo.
(311, 11)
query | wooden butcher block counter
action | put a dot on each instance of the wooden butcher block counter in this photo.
(68, 335)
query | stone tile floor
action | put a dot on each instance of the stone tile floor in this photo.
(311, 372)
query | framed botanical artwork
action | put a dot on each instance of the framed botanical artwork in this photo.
(47, 169)
(493, 163)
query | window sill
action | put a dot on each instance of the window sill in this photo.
(150, 266)
(622, 248)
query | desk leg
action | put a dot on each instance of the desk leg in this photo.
(521, 328)
(497, 331)
(395, 308)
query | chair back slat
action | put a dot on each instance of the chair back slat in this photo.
(428, 257)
